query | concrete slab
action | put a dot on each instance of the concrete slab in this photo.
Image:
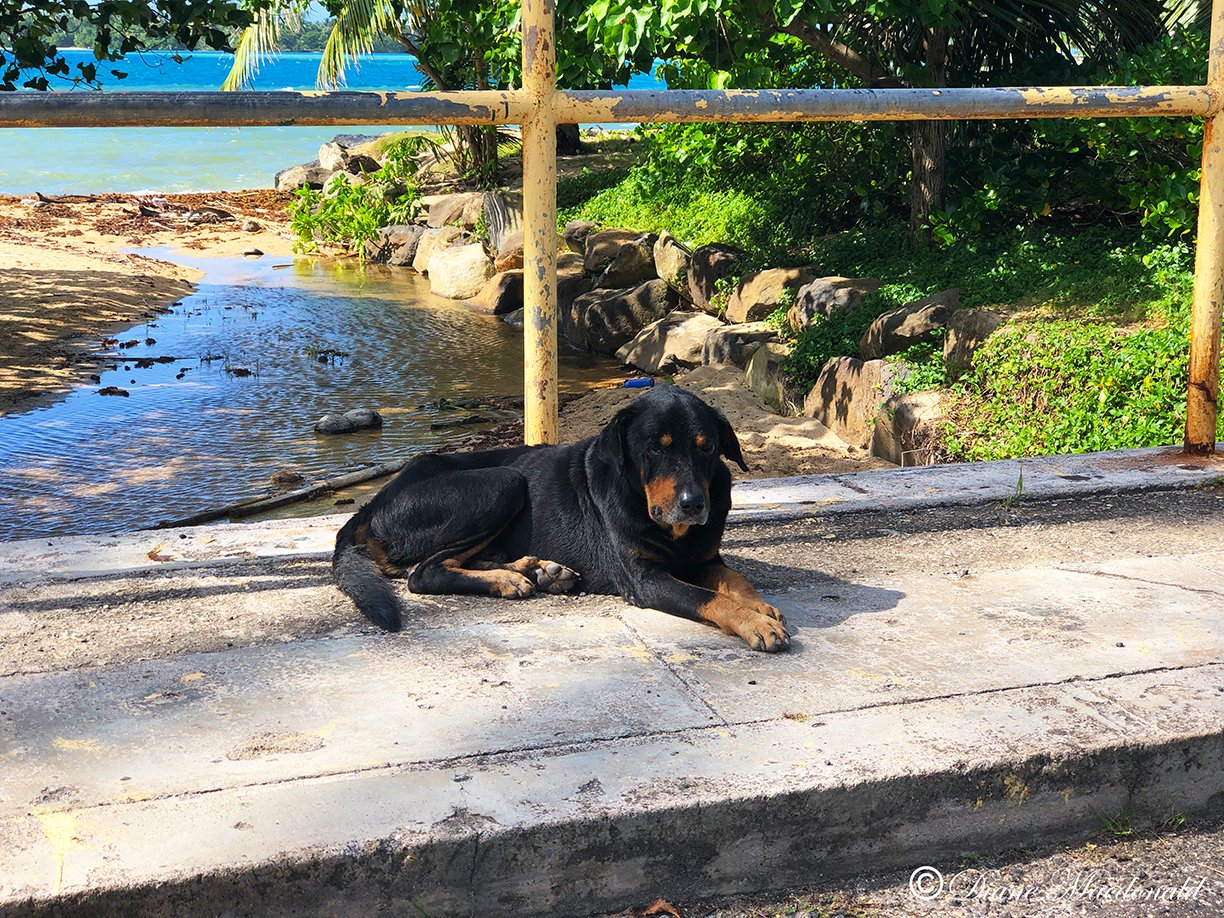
(219, 733)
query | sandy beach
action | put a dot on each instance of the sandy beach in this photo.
(69, 277)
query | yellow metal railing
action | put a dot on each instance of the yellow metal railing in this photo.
(539, 106)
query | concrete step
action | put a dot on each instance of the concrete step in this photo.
(576, 755)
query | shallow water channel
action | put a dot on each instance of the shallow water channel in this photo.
(198, 432)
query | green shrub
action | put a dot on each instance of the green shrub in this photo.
(349, 215)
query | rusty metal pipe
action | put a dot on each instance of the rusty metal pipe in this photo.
(252, 109)
(1204, 387)
(884, 104)
(539, 224)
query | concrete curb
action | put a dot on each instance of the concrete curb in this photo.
(1041, 478)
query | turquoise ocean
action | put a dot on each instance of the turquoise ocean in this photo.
(90, 160)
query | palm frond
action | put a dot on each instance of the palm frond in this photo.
(352, 35)
(259, 40)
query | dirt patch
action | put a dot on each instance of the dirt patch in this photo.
(265, 744)
(773, 446)
(67, 279)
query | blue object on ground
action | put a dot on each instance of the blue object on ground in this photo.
(642, 382)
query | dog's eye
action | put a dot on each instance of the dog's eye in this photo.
(705, 446)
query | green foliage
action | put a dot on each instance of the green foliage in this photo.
(349, 214)
(924, 362)
(31, 34)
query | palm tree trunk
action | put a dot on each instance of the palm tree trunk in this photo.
(928, 146)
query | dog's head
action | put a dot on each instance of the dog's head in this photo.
(672, 442)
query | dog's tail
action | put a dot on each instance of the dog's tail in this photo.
(361, 581)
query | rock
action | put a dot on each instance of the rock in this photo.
(603, 245)
(633, 264)
(252, 253)
(603, 320)
(514, 319)
(332, 156)
(349, 422)
(503, 217)
(671, 261)
(672, 342)
(431, 241)
(114, 390)
(735, 344)
(849, 392)
(575, 234)
(827, 295)
(448, 209)
(904, 431)
(968, 330)
(759, 294)
(572, 282)
(285, 478)
(361, 164)
(894, 331)
(395, 245)
(309, 174)
(250, 226)
(501, 294)
(766, 378)
(707, 266)
(510, 252)
(460, 271)
(569, 140)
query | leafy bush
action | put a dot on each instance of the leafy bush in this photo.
(1068, 387)
(350, 214)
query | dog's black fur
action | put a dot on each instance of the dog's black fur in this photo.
(637, 510)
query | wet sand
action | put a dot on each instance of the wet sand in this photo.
(68, 278)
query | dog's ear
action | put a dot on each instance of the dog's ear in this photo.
(612, 445)
(728, 443)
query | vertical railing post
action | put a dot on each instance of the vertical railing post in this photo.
(1201, 407)
(539, 225)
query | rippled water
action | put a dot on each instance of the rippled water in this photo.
(175, 446)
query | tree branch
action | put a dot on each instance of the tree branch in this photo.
(847, 58)
(421, 64)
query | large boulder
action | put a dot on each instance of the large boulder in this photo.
(671, 263)
(459, 272)
(603, 320)
(759, 294)
(349, 421)
(572, 282)
(849, 392)
(602, 246)
(312, 175)
(674, 341)
(735, 344)
(905, 431)
(632, 264)
(968, 330)
(766, 376)
(395, 245)
(501, 294)
(431, 241)
(901, 328)
(450, 209)
(337, 153)
(575, 234)
(827, 295)
(707, 266)
(503, 218)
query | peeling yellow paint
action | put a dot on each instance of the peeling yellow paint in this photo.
(327, 729)
(60, 830)
(191, 677)
(83, 745)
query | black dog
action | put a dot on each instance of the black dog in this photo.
(638, 510)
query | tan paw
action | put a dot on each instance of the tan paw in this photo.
(549, 576)
(511, 585)
(765, 632)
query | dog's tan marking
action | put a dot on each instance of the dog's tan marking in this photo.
(737, 608)
(666, 439)
(701, 440)
(660, 492)
(678, 530)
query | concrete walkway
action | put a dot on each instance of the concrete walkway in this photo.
(195, 721)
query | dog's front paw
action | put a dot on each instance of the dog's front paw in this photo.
(765, 632)
(549, 576)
